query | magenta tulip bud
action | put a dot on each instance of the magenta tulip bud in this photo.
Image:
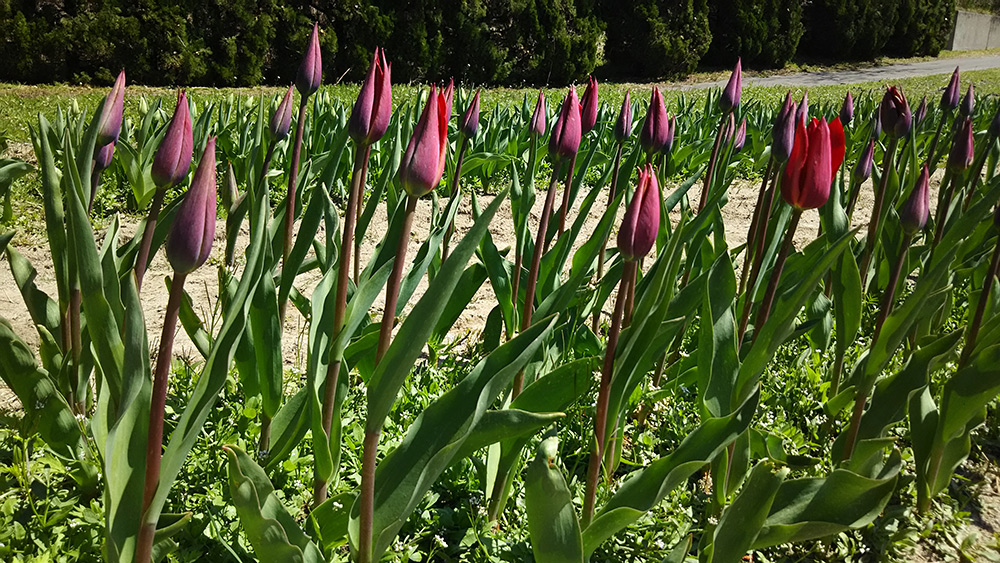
(968, 103)
(470, 121)
(863, 168)
(588, 106)
(641, 222)
(537, 125)
(802, 111)
(730, 99)
(173, 157)
(370, 116)
(783, 132)
(281, 121)
(190, 240)
(895, 113)
(960, 157)
(103, 156)
(423, 163)
(916, 210)
(668, 143)
(813, 165)
(949, 99)
(565, 139)
(847, 110)
(656, 127)
(740, 137)
(623, 127)
(109, 122)
(311, 70)
(921, 113)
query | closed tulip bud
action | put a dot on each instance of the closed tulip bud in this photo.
(311, 70)
(815, 159)
(783, 132)
(916, 209)
(470, 121)
(623, 127)
(423, 163)
(960, 157)
(895, 113)
(537, 125)
(588, 106)
(641, 222)
(995, 124)
(949, 99)
(190, 240)
(370, 116)
(968, 103)
(103, 156)
(231, 192)
(668, 145)
(847, 110)
(173, 157)
(740, 137)
(565, 139)
(109, 122)
(876, 126)
(802, 111)
(730, 98)
(863, 168)
(921, 113)
(656, 127)
(281, 121)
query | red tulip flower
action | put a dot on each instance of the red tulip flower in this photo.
(641, 222)
(813, 164)
(370, 116)
(424, 160)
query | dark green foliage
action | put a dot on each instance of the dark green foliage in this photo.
(923, 27)
(654, 38)
(765, 33)
(849, 29)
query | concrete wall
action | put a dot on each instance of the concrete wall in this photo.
(975, 31)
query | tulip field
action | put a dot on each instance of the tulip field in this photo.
(527, 331)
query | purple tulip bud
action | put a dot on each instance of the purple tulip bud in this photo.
(109, 122)
(565, 139)
(876, 126)
(623, 127)
(311, 70)
(641, 222)
(916, 210)
(281, 121)
(730, 99)
(968, 103)
(173, 157)
(373, 108)
(588, 106)
(895, 113)
(190, 240)
(423, 163)
(949, 99)
(728, 129)
(995, 124)
(960, 157)
(921, 112)
(668, 143)
(740, 137)
(470, 121)
(783, 132)
(863, 168)
(656, 127)
(847, 110)
(103, 156)
(802, 111)
(537, 125)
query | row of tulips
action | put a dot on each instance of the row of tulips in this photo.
(95, 399)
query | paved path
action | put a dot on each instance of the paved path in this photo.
(873, 74)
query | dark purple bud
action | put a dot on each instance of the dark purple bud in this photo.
(802, 111)
(103, 156)
(641, 222)
(373, 108)
(895, 113)
(311, 70)
(173, 157)
(588, 106)
(668, 144)
(968, 103)
(537, 125)
(656, 127)
(740, 137)
(730, 98)
(921, 112)
(783, 132)
(470, 121)
(281, 121)
(960, 157)
(565, 139)
(916, 209)
(623, 127)
(949, 99)
(109, 121)
(863, 168)
(876, 126)
(190, 240)
(847, 110)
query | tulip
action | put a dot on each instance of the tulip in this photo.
(960, 157)
(468, 126)
(656, 128)
(103, 156)
(537, 125)
(895, 113)
(802, 112)
(813, 164)
(281, 121)
(173, 157)
(950, 96)
(783, 132)
(730, 98)
(424, 160)
(641, 222)
(311, 69)
(984, 298)
(470, 120)
(588, 106)
(863, 168)
(917, 208)
(370, 116)
(191, 235)
(847, 110)
(109, 121)
(623, 126)
(740, 137)
(921, 113)
(876, 126)
(565, 139)
(729, 129)
(968, 103)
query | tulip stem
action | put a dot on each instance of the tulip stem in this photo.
(358, 211)
(712, 162)
(873, 223)
(367, 517)
(392, 289)
(760, 239)
(752, 231)
(293, 175)
(604, 392)
(931, 160)
(564, 208)
(595, 322)
(984, 297)
(779, 265)
(142, 259)
(852, 200)
(518, 247)
(154, 436)
(454, 193)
